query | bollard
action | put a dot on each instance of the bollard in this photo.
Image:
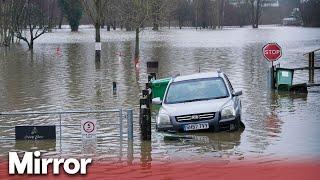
(148, 94)
(152, 76)
(145, 92)
(145, 118)
(145, 113)
(145, 154)
(148, 85)
(114, 87)
(143, 101)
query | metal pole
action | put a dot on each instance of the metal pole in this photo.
(121, 124)
(60, 121)
(130, 136)
(273, 86)
(130, 124)
(312, 67)
(120, 131)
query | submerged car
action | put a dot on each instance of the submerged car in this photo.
(199, 102)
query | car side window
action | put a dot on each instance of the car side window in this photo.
(228, 81)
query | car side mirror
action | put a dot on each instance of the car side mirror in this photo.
(237, 93)
(156, 101)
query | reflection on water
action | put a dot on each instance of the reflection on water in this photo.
(47, 145)
(208, 141)
(62, 74)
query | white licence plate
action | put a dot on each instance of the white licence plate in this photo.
(192, 127)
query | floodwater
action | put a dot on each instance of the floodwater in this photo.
(61, 74)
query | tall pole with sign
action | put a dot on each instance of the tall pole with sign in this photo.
(272, 52)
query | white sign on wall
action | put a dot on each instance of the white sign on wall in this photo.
(88, 128)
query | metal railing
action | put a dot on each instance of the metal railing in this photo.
(128, 116)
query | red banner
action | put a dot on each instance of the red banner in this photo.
(308, 170)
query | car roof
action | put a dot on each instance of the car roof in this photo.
(196, 76)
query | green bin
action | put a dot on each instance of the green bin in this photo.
(159, 87)
(284, 78)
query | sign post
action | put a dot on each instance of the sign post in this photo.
(89, 138)
(272, 52)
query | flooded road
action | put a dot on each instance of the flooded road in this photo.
(61, 74)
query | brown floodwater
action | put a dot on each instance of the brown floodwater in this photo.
(61, 74)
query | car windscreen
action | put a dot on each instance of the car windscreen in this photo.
(196, 90)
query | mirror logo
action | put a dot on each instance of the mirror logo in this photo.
(31, 163)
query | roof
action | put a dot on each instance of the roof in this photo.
(196, 76)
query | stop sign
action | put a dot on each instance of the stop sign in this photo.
(272, 52)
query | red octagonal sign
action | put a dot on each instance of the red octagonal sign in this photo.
(272, 52)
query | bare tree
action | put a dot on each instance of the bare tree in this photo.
(94, 9)
(158, 12)
(6, 34)
(111, 14)
(30, 21)
(137, 13)
(221, 5)
(183, 12)
(256, 9)
(169, 12)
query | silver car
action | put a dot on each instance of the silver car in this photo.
(199, 102)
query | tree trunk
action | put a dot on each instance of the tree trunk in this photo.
(222, 14)
(31, 37)
(257, 14)
(137, 49)
(114, 26)
(74, 28)
(155, 27)
(60, 19)
(252, 14)
(155, 22)
(98, 50)
(30, 45)
(97, 27)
